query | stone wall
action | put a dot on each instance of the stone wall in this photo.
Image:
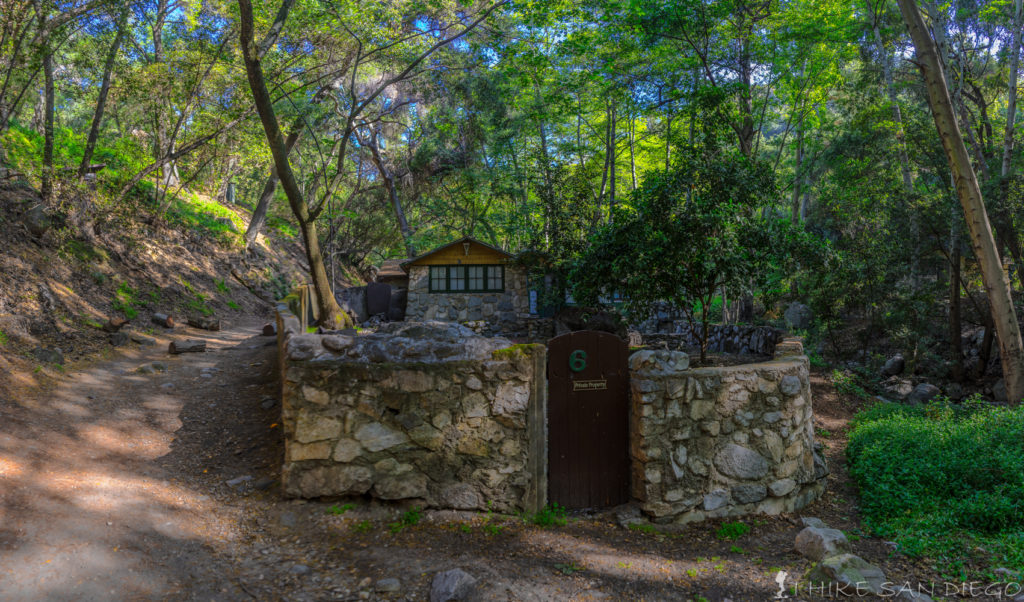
(499, 313)
(722, 441)
(427, 412)
(728, 338)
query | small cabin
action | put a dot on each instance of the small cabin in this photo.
(467, 281)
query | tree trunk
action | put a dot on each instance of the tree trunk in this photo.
(1011, 101)
(997, 285)
(611, 154)
(101, 102)
(186, 346)
(795, 200)
(46, 187)
(1011, 117)
(955, 325)
(396, 203)
(331, 315)
(259, 214)
(632, 151)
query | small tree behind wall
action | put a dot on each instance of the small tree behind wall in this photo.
(688, 234)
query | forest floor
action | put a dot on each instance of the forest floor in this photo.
(116, 484)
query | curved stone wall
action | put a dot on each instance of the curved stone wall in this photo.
(722, 441)
(426, 412)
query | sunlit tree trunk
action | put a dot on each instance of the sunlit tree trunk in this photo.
(46, 187)
(997, 285)
(331, 314)
(101, 101)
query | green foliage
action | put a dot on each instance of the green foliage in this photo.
(3, 338)
(643, 528)
(732, 530)
(199, 304)
(493, 529)
(337, 510)
(234, 305)
(567, 568)
(409, 518)
(198, 213)
(848, 383)
(363, 526)
(126, 300)
(552, 515)
(222, 286)
(688, 233)
(945, 482)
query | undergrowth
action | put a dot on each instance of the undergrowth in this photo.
(945, 481)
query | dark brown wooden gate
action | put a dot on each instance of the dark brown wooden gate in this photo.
(588, 420)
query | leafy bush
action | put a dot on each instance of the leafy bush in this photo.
(945, 481)
(732, 530)
(549, 516)
(409, 518)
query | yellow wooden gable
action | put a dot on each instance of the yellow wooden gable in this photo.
(465, 251)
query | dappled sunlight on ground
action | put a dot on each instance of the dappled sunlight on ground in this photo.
(84, 511)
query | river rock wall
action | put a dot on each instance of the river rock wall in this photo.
(428, 412)
(722, 441)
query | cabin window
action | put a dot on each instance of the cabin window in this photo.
(467, 278)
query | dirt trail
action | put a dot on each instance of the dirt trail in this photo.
(119, 485)
(98, 496)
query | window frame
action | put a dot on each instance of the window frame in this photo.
(465, 278)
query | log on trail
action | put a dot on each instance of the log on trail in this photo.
(187, 346)
(205, 323)
(163, 320)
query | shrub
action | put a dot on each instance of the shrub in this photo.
(549, 516)
(944, 481)
(732, 530)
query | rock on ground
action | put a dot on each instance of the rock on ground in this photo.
(894, 367)
(455, 584)
(923, 393)
(853, 573)
(816, 543)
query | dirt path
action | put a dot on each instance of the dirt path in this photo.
(103, 493)
(118, 485)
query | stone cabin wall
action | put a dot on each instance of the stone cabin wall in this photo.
(722, 441)
(424, 412)
(505, 313)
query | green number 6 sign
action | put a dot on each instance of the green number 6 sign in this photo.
(578, 360)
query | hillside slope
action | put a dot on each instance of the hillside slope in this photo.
(61, 280)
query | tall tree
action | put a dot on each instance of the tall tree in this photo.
(997, 285)
(331, 314)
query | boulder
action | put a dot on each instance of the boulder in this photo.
(853, 573)
(49, 355)
(897, 388)
(923, 393)
(36, 220)
(453, 585)
(401, 487)
(894, 366)
(790, 385)
(740, 462)
(118, 339)
(816, 543)
(798, 316)
(749, 493)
